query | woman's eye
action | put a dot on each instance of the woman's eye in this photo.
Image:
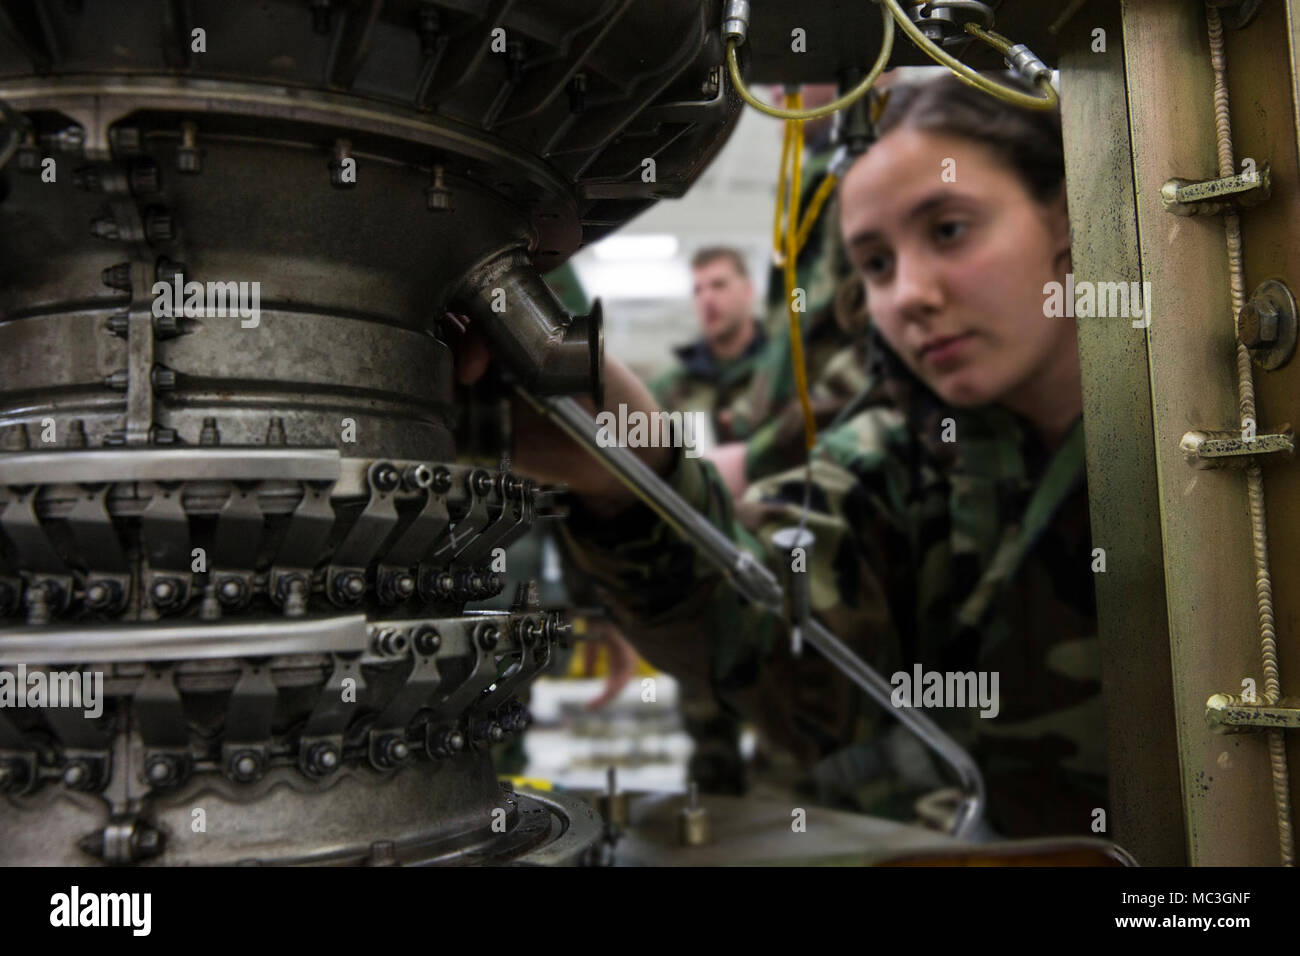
(950, 230)
(876, 264)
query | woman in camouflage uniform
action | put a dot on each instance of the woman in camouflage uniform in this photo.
(949, 507)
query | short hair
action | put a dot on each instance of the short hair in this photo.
(713, 253)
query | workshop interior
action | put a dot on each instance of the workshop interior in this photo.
(330, 622)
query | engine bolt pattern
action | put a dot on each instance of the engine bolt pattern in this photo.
(166, 593)
(427, 639)
(349, 587)
(245, 766)
(231, 591)
(162, 769)
(393, 750)
(417, 477)
(385, 477)
(390, 642)
(323, 759)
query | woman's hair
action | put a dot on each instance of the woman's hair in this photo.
(1029, 141)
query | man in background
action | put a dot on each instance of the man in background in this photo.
(716, 368)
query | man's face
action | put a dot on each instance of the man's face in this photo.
(724, 299)
(954, 271)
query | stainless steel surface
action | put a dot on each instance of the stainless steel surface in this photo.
(52, 645)
(171, 464)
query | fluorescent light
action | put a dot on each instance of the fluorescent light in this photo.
(647, 246)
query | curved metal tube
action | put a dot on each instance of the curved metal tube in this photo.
(549, 350)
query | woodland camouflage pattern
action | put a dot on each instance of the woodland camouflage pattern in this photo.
(699, 382)
(965, 555)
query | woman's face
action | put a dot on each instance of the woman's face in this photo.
(954, 253)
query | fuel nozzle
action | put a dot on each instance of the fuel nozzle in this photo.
(795, 545)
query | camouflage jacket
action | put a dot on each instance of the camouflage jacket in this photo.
(959, 556)
(768, 416)
(699, 382)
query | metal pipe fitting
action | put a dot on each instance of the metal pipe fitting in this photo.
(550, 351)
(735, 21)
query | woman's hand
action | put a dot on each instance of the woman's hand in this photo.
(546, 454)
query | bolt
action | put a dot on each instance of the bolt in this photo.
(385, 477)
(427, 639)
(295, 598)
(231, 591)
(118, 324)
(393, 750)
(480, 482)
(144, 177)
(488, 637)
(29, 157)
(188, 157)
(323, 758)
(125, 139)
(118, 276)
(101, 595)
(77, 775)
(445, 742)
(88, 178)
(244, 766)
(349, 587)
(1257, 324)
(209, 434)
(165, 592)
(163, 378)
(70, 139)
(445, 584)
(437, 196)
(390, 641)
(159, 225)
(103, 227)
(417, 477)
(489, 730)
(38, 607)
(162, 769)
(441, 480)
(169, 271)
(275, 431)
